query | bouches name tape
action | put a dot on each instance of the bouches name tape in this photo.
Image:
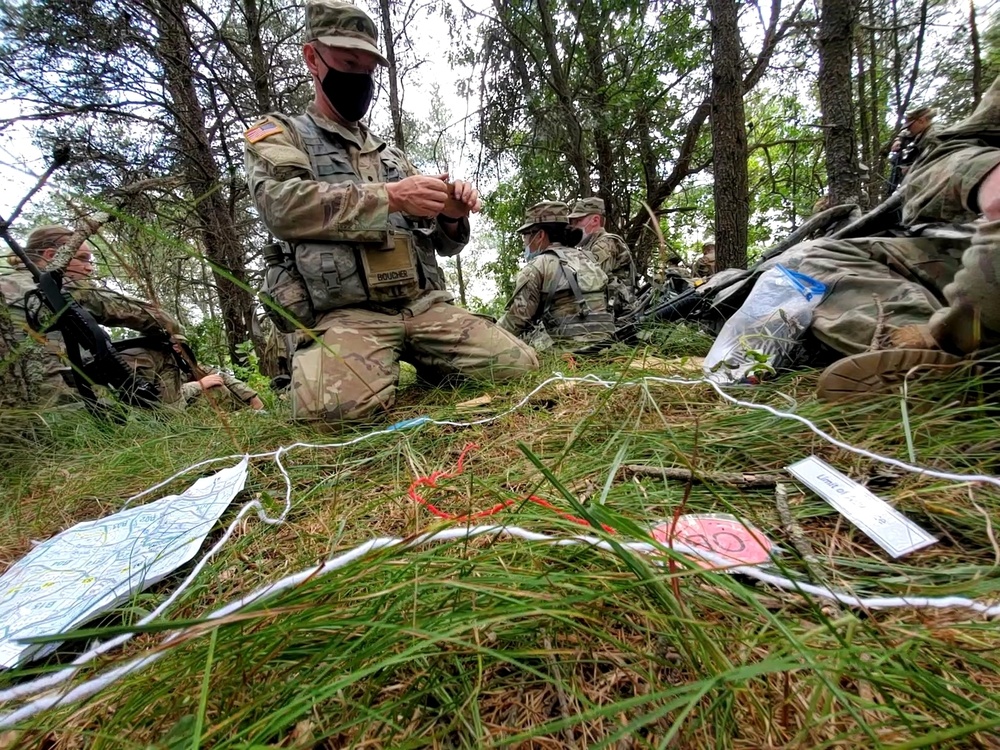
(887, 527)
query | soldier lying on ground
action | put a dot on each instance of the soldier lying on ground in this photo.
(924, 292)
(937, 289)
(561, 296)
(362, 229)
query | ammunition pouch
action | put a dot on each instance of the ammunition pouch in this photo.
(285, 296)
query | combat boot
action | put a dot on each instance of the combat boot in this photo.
(867, 373)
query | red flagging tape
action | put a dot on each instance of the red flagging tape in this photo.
(432, 482)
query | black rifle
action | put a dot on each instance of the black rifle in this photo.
(81, 332)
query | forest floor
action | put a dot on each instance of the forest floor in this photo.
(503, 642)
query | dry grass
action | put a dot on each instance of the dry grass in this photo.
(501, 643)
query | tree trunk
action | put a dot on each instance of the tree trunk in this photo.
(258, 58)
(729, 138)
(867, 131)
(389, 44)
(977, 59)
(835, 97)
(219, 234)
(592, 31)
(561, 88)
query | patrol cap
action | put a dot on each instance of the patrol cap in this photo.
(546, 212)
(340, 24)
(587, 207)
(916, 114)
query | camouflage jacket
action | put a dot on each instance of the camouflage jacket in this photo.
(612, 255)
(563, 293)
(108, 308)
(350, 205)
(233, 385)
(942, 185)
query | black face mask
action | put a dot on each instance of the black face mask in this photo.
(348, 93)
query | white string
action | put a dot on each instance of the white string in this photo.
(64, 674)
(96, 684)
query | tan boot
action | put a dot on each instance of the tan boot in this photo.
(873, 372)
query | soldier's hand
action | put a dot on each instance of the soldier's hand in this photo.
(420, 195)
(464, 200)
(210, 381)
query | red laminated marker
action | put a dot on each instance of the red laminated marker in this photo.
(720, 533)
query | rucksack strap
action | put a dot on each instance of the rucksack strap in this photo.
(583, 309)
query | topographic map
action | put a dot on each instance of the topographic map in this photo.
(95, 565)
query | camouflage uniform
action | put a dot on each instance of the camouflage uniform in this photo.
(908, 280)
(908, 147)
(560, 296)
(322, 186)
(612, 254)
(704, 266)
(236, 392)
(109, 308)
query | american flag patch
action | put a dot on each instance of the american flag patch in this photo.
(263, 130)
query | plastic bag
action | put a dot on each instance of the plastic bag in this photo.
(762, 335)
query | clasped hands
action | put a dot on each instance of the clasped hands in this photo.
(426, 196)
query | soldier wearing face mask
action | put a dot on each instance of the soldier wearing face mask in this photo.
(560, 297)
(359, 230)
(610, 251)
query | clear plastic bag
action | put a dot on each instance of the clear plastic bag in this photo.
(763, 334)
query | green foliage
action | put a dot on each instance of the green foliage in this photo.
(208, 341)
(249, 372)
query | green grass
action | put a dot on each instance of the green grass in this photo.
(503, 643)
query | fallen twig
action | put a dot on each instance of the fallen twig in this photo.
(800, 541)
(721, 477)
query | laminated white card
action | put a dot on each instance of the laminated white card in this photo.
(890, 529)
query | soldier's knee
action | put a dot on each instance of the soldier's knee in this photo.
(329, 408)
(516, 362)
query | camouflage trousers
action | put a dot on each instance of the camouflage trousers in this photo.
(972, 318)
(352, 371)
(876, 283)
(160, 368)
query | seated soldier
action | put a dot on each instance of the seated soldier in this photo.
(895, 303)
(53, 373)
(610, 251)
(704, 266)
(561, 296)
(916, 137)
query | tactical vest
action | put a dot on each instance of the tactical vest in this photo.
(340, 274)
(575, 300)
